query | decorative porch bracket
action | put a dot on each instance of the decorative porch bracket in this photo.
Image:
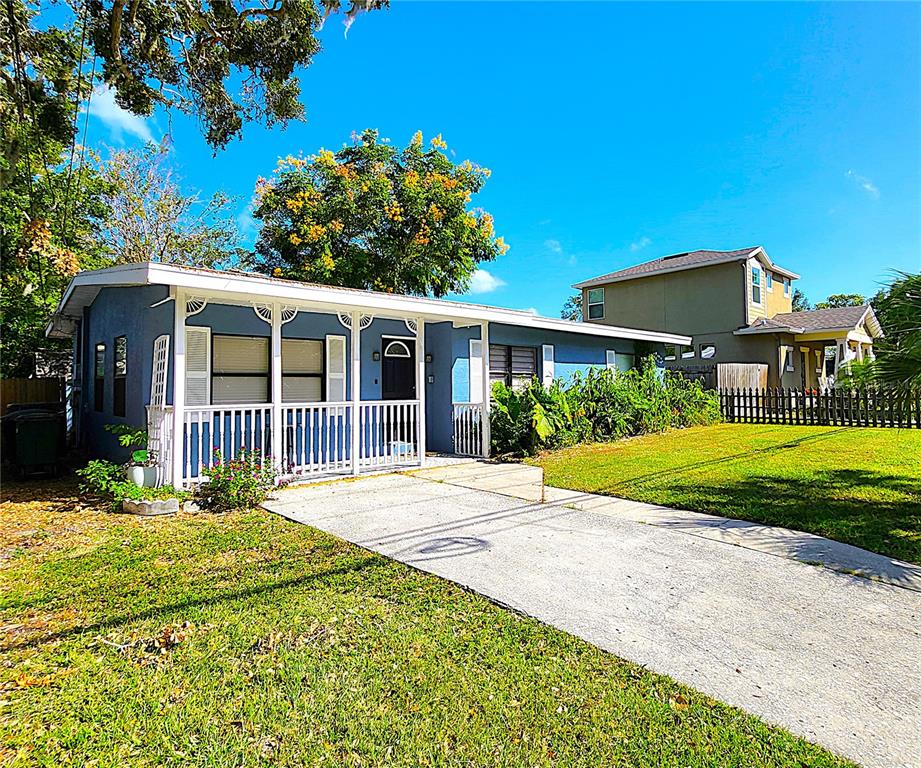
(345, 319)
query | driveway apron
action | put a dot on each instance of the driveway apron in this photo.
(829, 656)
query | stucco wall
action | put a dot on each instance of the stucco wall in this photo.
(120, 312)
(572, 352)
(694, 301)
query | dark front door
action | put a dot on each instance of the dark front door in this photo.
(398, 370)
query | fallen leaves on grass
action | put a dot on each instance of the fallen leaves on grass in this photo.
(153, 649)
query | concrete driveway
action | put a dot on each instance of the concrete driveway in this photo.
(829, 656)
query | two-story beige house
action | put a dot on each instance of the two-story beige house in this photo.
(738, 307)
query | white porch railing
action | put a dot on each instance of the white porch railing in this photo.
(215, 433)
(160, 440)
(468, 428)
(388, 433)
(317, 438)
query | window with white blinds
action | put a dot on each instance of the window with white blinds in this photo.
(302, 370)
(240, 370)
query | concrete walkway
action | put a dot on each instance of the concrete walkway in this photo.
(829, 656)
(526, 482)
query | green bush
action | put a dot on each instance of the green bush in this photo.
(239, 483)
(100, 478)
(596, 406)
(132, 437)
(105, 480)
(524, 420)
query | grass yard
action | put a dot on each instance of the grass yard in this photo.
(247, 640)
(860, 486)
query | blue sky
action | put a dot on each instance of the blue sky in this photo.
(617, 133)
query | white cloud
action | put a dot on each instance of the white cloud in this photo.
(865, 184)
(247, 222)
(640, 244)
(553, 246)
(484, 282)
(119, 121)
(532, 310)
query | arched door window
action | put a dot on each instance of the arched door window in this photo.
(397, 349)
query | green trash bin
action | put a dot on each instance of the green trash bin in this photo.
(36, 444)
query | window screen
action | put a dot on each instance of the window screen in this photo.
(99, 377)
(119, 381)
(302, 370)
(239, 370)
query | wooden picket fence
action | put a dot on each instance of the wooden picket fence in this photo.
(863, 407)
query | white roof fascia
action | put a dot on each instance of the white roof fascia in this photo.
(248, 288)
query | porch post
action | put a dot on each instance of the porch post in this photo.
(178, 439)
(277, 426)
(356, 393)
(420, 385)
(487, 391)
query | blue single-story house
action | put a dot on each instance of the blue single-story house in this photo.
(324, 380)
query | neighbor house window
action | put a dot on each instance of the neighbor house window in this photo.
(787, 284)
(120, 378)
(687, 353)
(301, 370)
(514, 366)
(707, 351)
(756, 285)
(99, 377)
(670, 351)
(595, 303)
(769, 280)
(240, 370)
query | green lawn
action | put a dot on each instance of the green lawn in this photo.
(861, 486)
(247, 640)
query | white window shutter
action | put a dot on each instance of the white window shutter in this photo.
(610, 359)
(335, 369)
(547, 369)
(197, 366)
(158, 371)
(476, 371)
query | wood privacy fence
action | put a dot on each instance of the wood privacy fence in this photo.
(49, 390)
(832, 407)
(725, 375)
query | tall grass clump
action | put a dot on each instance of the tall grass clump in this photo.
(597, 406)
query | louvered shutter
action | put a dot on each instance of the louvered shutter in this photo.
(335, 368)
(476, 371)
(548, 366)
(197, 366)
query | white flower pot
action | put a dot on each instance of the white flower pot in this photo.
(145, 477)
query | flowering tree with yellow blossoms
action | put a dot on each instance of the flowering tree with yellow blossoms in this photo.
(377, 217)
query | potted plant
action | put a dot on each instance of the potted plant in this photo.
(142, 467)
